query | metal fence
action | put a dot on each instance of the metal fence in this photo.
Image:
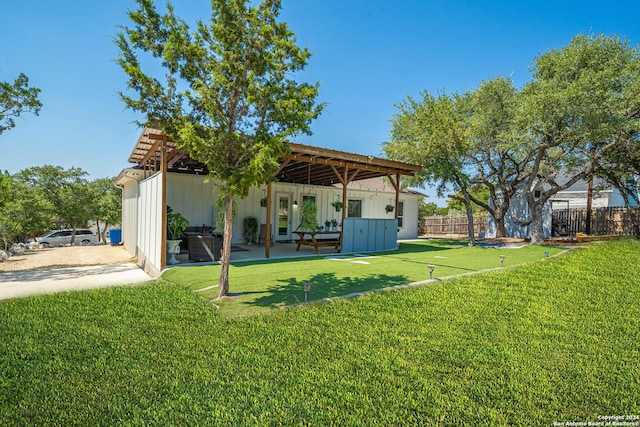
(604, 221)
(451, 225)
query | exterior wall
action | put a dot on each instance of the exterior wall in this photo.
(520, 208)
(195, 199)
(192, 197)
(150, 225)
(130, 194)
(601, 199)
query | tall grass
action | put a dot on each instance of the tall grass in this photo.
(554, 341)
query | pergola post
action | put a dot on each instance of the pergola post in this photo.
(163, 203)
(267, 248)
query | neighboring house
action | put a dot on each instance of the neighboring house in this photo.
(164, 175)
(519, 209)
(604, 195)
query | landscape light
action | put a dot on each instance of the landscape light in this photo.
(502, 257)
(431, 268)
(307, 289)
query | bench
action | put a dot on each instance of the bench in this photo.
(318, 242)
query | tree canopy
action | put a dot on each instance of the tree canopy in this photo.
(15, 99)
(49, 197)
(577, 117)
(228, 96)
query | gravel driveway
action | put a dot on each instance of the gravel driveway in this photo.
(52, 270)
(70, 256)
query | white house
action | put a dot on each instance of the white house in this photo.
(164, 175)
(604, 195)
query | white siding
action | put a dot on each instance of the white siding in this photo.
(195, 199)
(520, 207)
(192, 197)
(130, 216)
(150, 224)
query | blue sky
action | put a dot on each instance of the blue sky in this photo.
(368, 56)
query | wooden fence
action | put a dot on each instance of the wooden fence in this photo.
(451, 225)
(604, 221)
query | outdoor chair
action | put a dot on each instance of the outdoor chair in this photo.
(262, 237)
(204, 248)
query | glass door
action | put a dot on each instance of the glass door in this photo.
(284, 218)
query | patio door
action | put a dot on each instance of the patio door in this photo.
(283, 226)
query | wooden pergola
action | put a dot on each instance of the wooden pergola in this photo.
(305, 164)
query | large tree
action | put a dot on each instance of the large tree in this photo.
(464, 141)
(25, 213)
(432, 132)
(500, 165)
(106, 204)
(66, 190)
(15, 99)
(583, 102)
(227, 97)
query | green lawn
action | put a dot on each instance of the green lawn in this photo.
(555, 341)
(265, 285)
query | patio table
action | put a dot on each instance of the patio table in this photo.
(319, 238)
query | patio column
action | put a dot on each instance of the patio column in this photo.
(163, 203)
(267, 247)
(396, 186)
(397, 192)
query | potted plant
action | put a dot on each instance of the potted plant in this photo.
(327, 224)
(337, 205)
(308, 210)
(250, 230)
(263, 202)
(176, 224)
(334, 225)
(389, 208)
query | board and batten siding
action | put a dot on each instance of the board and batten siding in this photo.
(150, 224)
(129, 222)
(195, 199)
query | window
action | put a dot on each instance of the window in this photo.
(312, 198)
(354, 208)
(400, 213)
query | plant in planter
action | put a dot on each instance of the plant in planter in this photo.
(263, 202)
(389, 208)
(250, 230)
(176, 224)
(334, 224)
(308, 211)
(327, 224)
(337, 205)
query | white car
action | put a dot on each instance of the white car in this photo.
(63, 237)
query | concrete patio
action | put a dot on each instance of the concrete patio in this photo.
(243, 252)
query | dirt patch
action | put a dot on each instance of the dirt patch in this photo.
(71, 256)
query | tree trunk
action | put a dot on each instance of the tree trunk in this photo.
(73, 235)
(100, 236)
(104, 232)
(537, 229)
(471, 226)
(223, 283)
(499, 219)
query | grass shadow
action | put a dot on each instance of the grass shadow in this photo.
(290, 291)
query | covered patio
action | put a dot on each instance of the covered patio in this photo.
(156, 155)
